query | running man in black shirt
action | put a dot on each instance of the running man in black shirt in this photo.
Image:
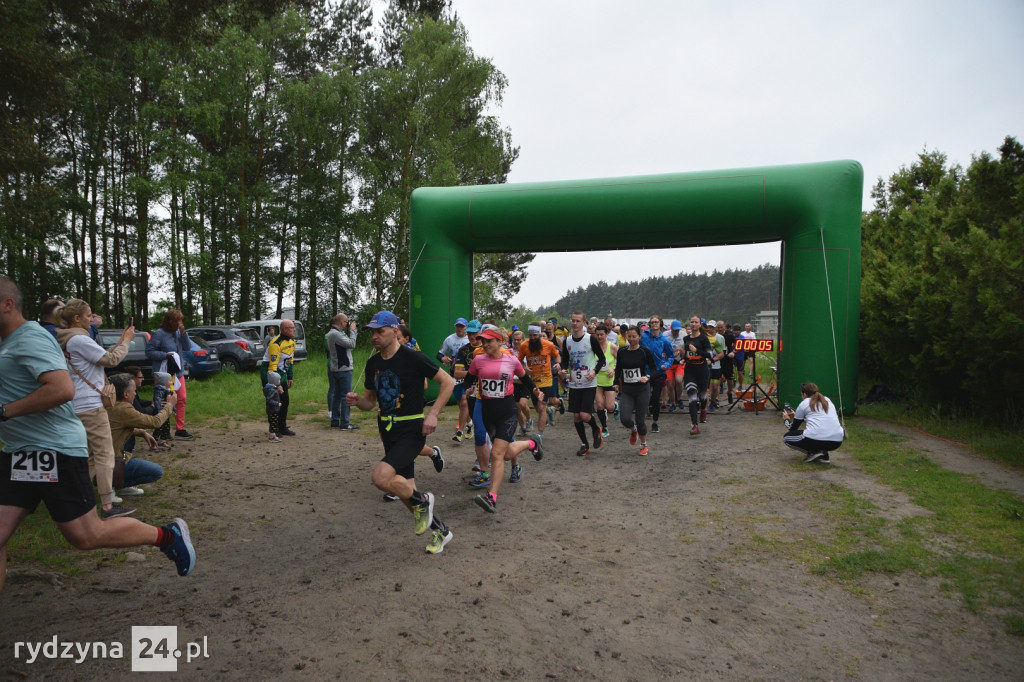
(394, 382)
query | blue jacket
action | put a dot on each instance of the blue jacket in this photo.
(162, 342)
(661, 349)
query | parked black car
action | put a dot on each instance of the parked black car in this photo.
(239, 347)
(136, 351)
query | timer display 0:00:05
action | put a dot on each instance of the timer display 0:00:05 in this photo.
(755, 345)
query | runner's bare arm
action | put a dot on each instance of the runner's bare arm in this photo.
(364, 402)
(444, 392)
(56, 389)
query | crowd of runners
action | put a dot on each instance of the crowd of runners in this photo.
(511, 386)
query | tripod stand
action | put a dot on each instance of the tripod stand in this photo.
(755, 387)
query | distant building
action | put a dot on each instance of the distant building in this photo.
(286, 314)
(767, 323)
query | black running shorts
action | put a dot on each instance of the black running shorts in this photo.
(67, 499)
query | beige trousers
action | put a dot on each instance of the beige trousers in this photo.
(101, 452)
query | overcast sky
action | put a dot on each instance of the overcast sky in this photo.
(601, 88)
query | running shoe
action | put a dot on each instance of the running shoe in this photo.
(824, 459)
(671, 408)
(529, 425)
(439, 540)
(488, 502)
(615, 414)
(180, 551)
(598, 440)
(712, 407)
(561, 406)
(469, 428)
(116, 499)
(654, 428)
(682, 405)
(437, 459)
(522, 431)
(423, 513)
(694, 430)
(632, 436)
(391, 497)
(812, 456)
(476, 468)
(582, 452)
(273, 438)
(703, 416)
(551, 414)
(458, 436)
(643, 450)
(182, 434)
(482, 480)
(117, 510)
(604, 432)
(285, 431)
(517, 474)
(730, 397)
(130, 491)
(538, 452)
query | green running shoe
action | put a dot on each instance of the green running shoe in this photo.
(424, 513)
(439, 540)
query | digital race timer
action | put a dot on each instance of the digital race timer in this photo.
(754, 345)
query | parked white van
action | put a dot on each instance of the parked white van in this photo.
(262, 325)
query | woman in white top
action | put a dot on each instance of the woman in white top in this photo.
(86, 360)
(822, 431)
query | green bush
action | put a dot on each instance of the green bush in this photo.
(943, 280)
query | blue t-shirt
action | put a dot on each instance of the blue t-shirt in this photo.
(24, 355)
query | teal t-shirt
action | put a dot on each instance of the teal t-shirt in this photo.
(24, 355)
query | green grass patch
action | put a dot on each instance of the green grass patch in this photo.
(1001, 442)
(969, 540)
(227, 397)
(971, 537)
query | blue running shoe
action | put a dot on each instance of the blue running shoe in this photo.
(180, 551)
(482, 480)
(551, 414)
(517, 474)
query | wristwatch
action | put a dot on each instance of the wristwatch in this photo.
(3, 417)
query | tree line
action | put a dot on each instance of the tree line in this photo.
(236, 155)
(943, 282)
(734, 295)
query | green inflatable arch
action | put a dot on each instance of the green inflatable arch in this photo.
(814, 209)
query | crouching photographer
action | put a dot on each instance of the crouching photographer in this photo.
(822, 430)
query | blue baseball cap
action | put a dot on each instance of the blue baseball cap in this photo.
(385, 318)
(676, 324)
(473, 326)
(460, 320)
(515, 327)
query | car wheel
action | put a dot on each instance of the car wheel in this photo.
(231, 365)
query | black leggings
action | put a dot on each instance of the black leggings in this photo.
(635, 407)
(657, 383)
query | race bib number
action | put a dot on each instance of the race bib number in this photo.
(632, 375)
(493, 388)
(578, 376)
(34, 466)
(459, 381)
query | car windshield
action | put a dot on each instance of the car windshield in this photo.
(110, 339)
